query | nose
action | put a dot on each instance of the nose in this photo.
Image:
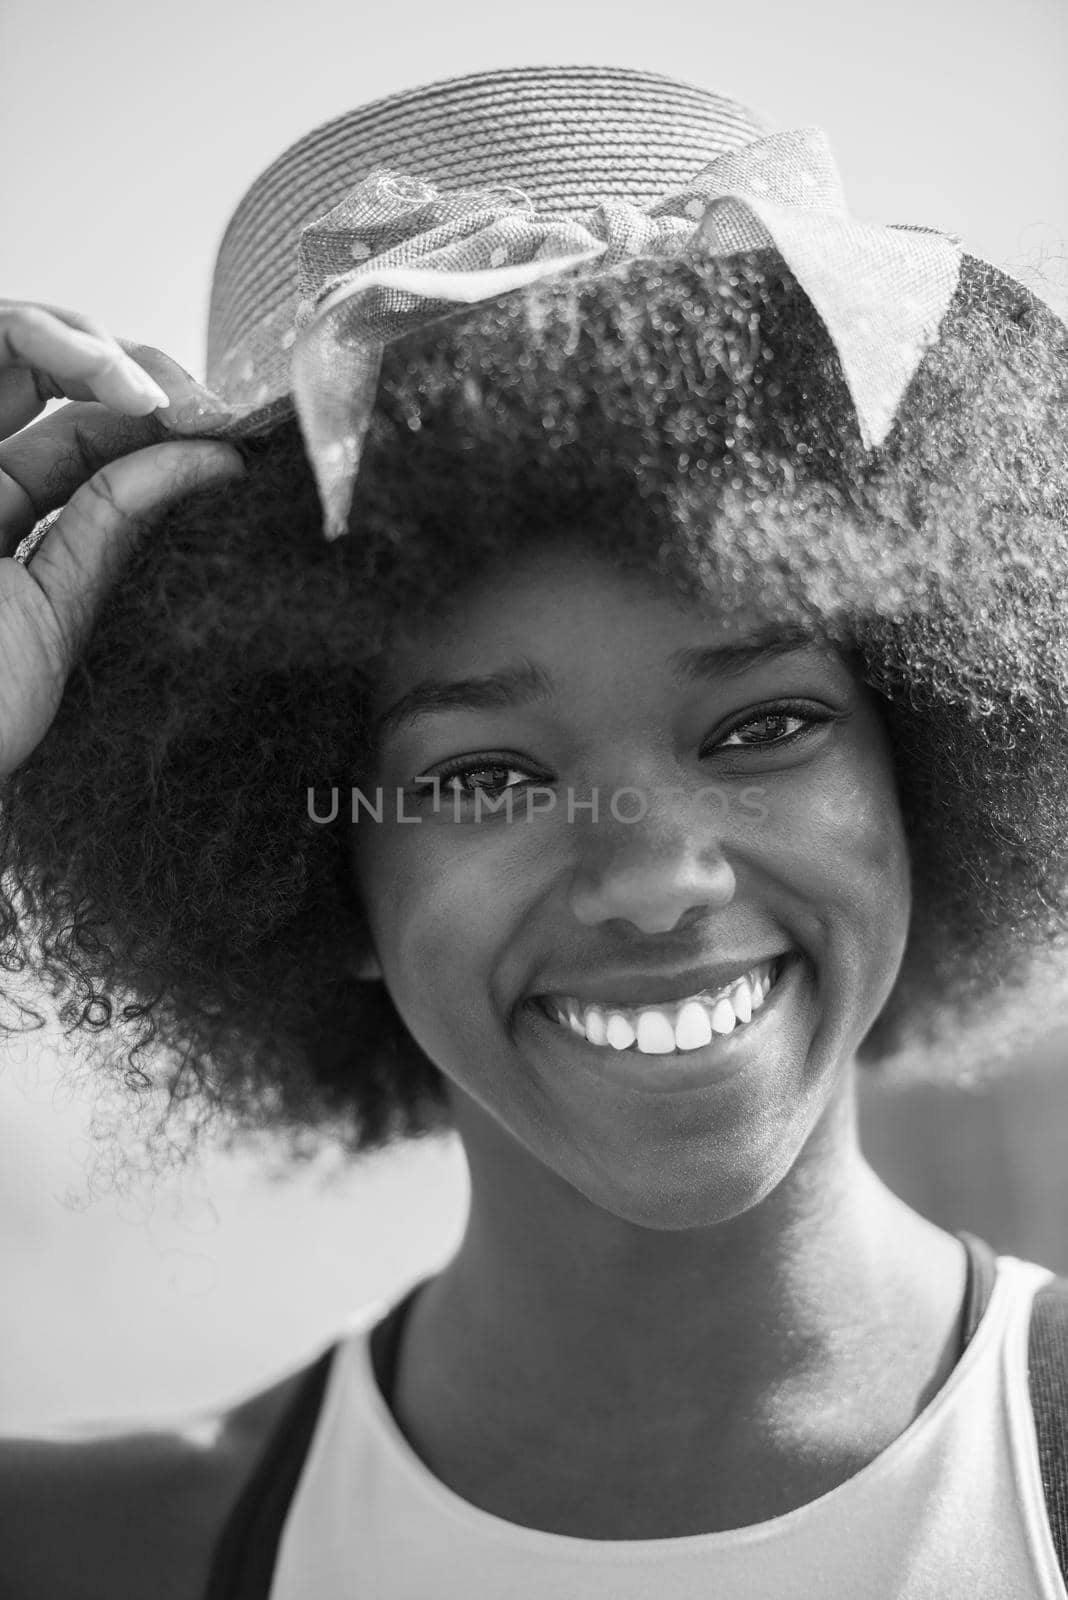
(652, 882)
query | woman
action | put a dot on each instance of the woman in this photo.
(677, 731)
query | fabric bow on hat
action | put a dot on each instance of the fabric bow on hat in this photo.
(397, 253)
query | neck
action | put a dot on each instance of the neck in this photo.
(560, 1327)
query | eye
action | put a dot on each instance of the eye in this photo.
(465, 776)
(775, 727)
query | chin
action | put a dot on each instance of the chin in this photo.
(671, 1189)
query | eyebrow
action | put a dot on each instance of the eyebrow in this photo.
(527, 684)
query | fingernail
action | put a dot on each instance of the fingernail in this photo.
(139, 380)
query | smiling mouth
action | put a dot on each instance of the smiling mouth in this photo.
(688, 1024)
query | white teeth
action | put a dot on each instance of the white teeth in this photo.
(693, 1029)
(722, 1018)
(618, 1032)
(742, 1001)
(596, 1026)
(656, 1036)
(574, 1019)
(661, 1030)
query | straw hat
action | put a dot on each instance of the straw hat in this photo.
(568, 137)
(396, 213)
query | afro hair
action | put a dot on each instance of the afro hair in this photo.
(165, 885)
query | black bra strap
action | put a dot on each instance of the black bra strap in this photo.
(386, 1342)
(982, 1270)
(247, 1549)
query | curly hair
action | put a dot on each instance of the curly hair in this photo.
(164, 881)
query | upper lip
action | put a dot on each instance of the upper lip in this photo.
(659, 988)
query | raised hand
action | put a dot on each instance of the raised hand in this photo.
(108, 462)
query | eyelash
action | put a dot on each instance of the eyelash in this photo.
(812, 718)
(463, 766)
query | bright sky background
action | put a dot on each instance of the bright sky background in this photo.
(130, 131)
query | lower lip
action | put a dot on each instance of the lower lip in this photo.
(725, 1054)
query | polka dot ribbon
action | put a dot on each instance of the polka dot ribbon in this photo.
(397, 253)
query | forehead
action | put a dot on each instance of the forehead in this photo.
(562, 615)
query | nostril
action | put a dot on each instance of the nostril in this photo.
(655, 901)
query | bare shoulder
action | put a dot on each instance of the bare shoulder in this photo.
(113, 1514)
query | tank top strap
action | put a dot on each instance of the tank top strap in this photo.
(246, 1550)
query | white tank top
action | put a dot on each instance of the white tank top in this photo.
(953, 1509)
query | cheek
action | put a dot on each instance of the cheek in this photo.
(858, 839)
(865, 862)
(841, 848)
(440, 911)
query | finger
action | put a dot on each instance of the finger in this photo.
(77, 319)
(41, 467)
(86, 548)
(81, 365)
(192, 407)
(192, 403)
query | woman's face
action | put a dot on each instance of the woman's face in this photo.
(746, 814)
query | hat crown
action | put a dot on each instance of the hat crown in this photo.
(570, 137)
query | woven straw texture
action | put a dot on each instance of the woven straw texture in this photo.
(464, 190)
(569, 137)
